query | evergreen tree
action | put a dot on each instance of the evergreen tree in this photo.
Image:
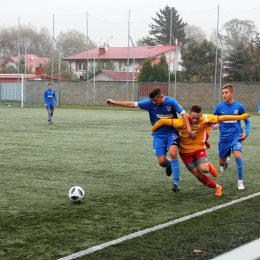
(160, 70)
(160, 31)
(155, 73)
(199, 61)
(234, 64)
(146, 72)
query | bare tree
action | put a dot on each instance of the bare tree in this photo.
(195, 33)
(237, 31)
(72, 42)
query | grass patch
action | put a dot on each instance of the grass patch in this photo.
(109, 154)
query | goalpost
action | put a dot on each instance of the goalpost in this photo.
(12, 88)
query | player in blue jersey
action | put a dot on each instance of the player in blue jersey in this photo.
(231, 132)
(49, 96)
(165, 139)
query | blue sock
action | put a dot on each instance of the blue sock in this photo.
(240, 168)
(49, 116)
(175, 171)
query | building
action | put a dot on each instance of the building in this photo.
(31, 61)
(120, 55)
(39, 75)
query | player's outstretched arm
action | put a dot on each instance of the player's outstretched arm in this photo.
(129, 104)
(174, 122)
(233, 117)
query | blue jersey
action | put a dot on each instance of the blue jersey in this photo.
(49, 97)
(230, 130)
(166, 110)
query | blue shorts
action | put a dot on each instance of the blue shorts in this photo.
(162, 143)
(225, 148)
(50, 107)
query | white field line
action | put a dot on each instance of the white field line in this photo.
(155, 228)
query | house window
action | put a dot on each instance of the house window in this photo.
(81, 65)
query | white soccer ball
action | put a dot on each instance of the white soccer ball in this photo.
(76, 194)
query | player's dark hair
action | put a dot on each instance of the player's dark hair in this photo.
(49, 84)
(155, 92)
(196, 109)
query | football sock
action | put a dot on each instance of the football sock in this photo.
(49, 116)
(168, 162)
(175, 171)
(207, 181)
(240, 168)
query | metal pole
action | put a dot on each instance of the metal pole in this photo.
(127, 58)
(216, 62)
(176, 63)
(22, 92)
(87, 53)
(25, 69)
(59, 71)
(18, 66)
(133, 88)
(52, 55)
(59, 80)
(94, 69)
(221, 67)
(169, 63)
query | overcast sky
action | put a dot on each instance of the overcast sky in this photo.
(103, 19)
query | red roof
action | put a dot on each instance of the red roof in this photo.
(31, 60)
(119, 75)
(112, 53)
(18, 78)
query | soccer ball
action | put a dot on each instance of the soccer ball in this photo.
(76, 194)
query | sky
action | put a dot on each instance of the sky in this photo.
(111, 21)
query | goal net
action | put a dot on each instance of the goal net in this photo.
(12, 92)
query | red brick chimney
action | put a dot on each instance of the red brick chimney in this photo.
(39, 71)
(102, 50)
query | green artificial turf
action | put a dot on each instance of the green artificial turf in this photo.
(109, 154)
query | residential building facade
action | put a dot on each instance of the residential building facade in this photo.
(120, 56)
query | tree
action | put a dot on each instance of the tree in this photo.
(194, 32)
(234, 64)
(155, 73)
(199, 60)
(65, 69)
(252, 57)
(146, 72)
(4, 45)
(31, 41)
(72, 42)
(160, 31)
(237, 31)
(141, 42)
(160, 70)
